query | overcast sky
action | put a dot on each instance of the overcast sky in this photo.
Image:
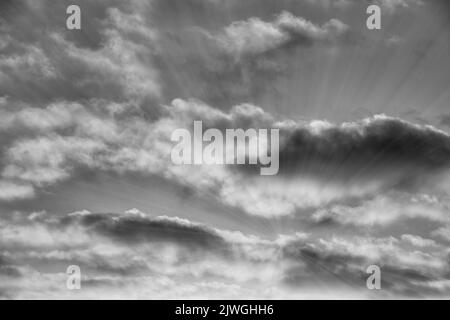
(86, 177)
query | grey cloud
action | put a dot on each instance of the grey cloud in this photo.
(7, 268)
(110, 58)
(347, 267)
(379, 147)
(138, 229)
(366, 158)
(379, 153)
(391, 5)
(95, 101)
(331, 268)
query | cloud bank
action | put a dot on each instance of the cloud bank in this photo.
(105, 100)
(136, 255)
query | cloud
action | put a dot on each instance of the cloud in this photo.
(385, 209)
(133, 254)
(106, 100)
(391, 5)
(123, 253)
(323, 163)
(395, 40)
(317, 158)
(418, 241)
(332, 3)
(10, 191)
(139, 228)
(375, 146)
(442, 233)
(110, 58)
(405, 272)
(255, 37)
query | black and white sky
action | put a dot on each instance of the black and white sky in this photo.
(86, 177)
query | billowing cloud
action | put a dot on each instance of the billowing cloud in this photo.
(389, 5)
(254, 36)
(56, 64)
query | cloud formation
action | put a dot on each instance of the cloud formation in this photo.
(105, 100)
(316, 158)
(135, 255)
(255, 37)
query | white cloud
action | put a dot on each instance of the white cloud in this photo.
(254, 36)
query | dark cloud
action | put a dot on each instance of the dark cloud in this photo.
(131, 229)
(375, 148)
(324, 267)
(408, 281)
(7, 269)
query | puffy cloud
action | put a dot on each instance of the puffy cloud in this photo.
(254, 36)
(114, 62)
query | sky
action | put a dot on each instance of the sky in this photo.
(86, 176)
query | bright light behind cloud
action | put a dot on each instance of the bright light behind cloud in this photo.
(86, 119)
